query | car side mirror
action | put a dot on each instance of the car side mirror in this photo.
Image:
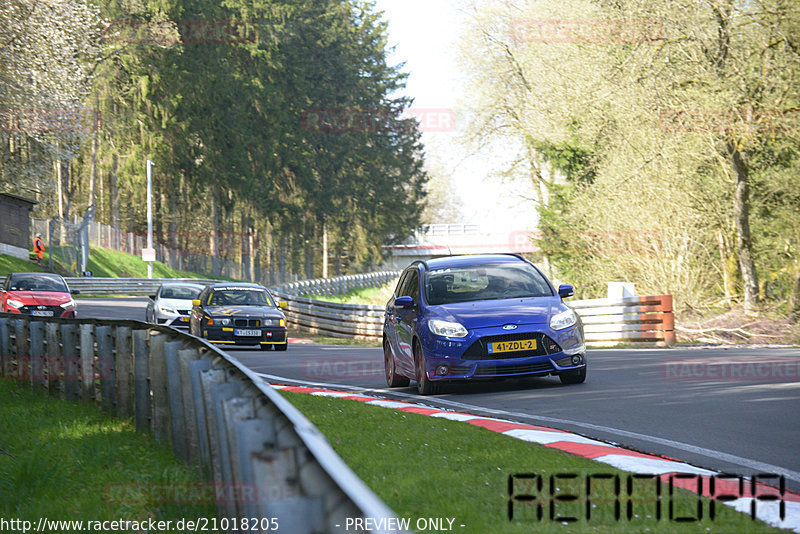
(76, 291)
(282, 303)
(404, 302)
(195, 302)
(152, 297)
(565, 290)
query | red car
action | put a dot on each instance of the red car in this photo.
(37, 294)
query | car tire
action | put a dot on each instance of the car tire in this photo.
(390, 369)
(574, 377)
(424, 385)
(283, 346)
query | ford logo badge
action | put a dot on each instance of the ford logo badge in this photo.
(510, 327)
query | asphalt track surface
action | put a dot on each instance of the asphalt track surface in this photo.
(735, 410)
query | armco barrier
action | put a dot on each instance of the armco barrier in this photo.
(337, 285)
(645, 321)
(332, 319)
(210, 408)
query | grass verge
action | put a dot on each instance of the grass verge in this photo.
(426, 468)
(11, 264)
(69, 461)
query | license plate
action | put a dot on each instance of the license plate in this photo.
(184, 319)
(512, 346)
(247, 332)
(42, 313)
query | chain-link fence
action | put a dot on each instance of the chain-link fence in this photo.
(66, 242)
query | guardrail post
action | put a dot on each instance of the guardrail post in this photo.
(53, 357)
(141, 385)
(196, 368)
(209, 379)
(234, 411)
(5, 348)
(69, 351)
(185, 357)
(252, 435)
(105, 364)
(123, 371)
(87, 362)
(158, 385)
(37, 353)
(23, 350)
(175, 399)
(219, 394)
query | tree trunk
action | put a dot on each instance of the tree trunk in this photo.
(744, 245)
(794, 301)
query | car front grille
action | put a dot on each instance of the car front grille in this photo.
(35, 308)
(247, 322)
(479, 349)
(490, 370)
(184, 312)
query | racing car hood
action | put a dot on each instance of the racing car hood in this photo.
(243, 311)
(42, 298)
(491, 313)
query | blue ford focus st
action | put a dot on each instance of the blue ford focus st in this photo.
(479, 317)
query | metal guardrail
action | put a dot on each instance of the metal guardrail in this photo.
(337, 285)
(210, 408)
(332, 319)
(645, 321)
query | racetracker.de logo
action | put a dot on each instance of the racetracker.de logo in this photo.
(750, 369)
(181, 493)
(721, 121)
(185, 32)
(586, 31)
(335, 369)
(343, 120)
(49, 120)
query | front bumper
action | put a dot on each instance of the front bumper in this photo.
(175, 321)
(557, 351)
(267, 335)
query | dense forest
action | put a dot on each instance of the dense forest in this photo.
(275, 126)
(663, 137)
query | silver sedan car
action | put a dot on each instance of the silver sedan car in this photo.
(172, 304)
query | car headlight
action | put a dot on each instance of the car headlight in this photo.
(224, 321)
(69, 304)
(164, 309)
(446, 328)
(15, 303)
(563, 320)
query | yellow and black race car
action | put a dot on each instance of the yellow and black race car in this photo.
(240, 314)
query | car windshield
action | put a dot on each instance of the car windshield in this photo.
(240, 297)
(37, 283)
(484, 282)
(180, 292)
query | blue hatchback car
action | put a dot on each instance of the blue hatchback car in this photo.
(480, 317)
